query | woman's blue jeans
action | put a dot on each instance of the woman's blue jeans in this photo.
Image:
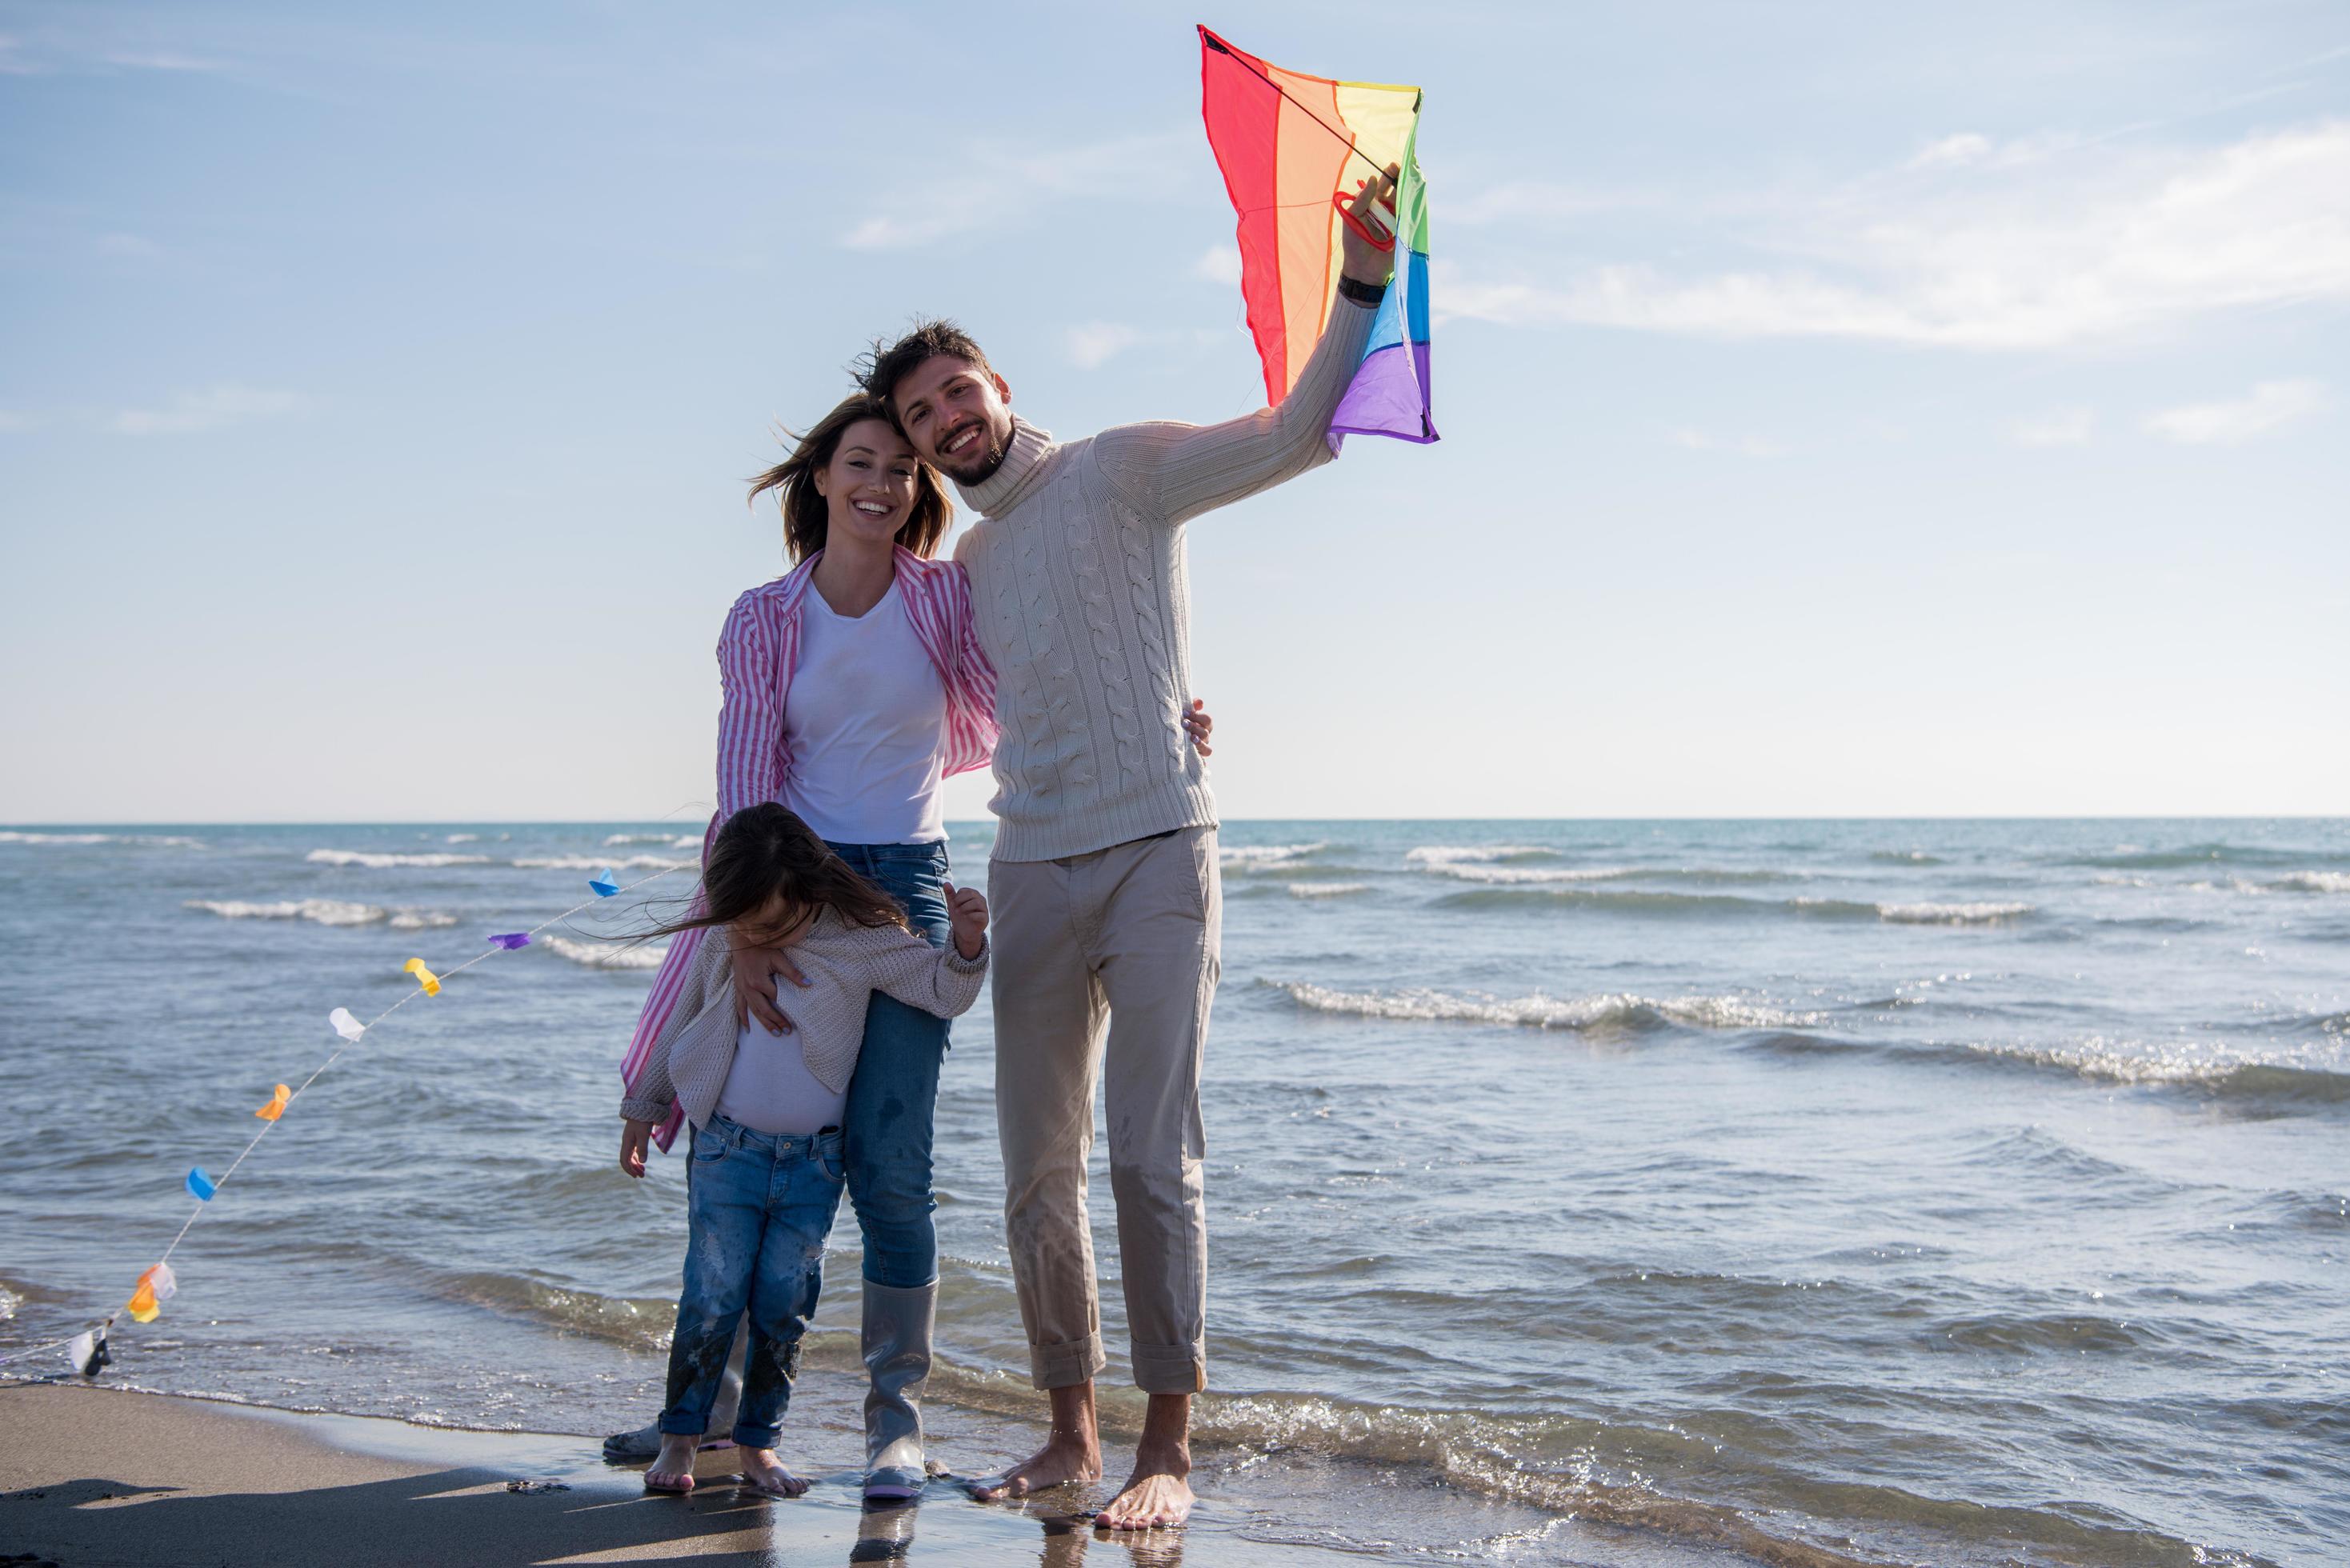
(759, 1207)
(893, 1098)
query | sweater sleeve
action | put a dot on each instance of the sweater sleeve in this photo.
(938, 980)
(1174, 471)
(651, 1096)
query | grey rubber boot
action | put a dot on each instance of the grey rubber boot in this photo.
(644, 1443)
(897, 1344)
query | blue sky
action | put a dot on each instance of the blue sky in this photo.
(1849, 409)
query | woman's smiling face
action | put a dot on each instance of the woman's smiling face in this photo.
(868, 485)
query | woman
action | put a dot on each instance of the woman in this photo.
(853, 686)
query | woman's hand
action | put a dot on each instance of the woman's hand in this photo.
(967, 917)
(1198, 723)
(755, 970)
(634, 1135)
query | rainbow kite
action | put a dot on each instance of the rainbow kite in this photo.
(1293, 147)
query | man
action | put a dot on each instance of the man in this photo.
(1104, 877)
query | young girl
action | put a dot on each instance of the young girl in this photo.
(766, 1110)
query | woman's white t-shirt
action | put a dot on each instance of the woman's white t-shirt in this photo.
(866, 725)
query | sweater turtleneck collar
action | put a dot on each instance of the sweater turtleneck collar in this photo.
(1022, 467)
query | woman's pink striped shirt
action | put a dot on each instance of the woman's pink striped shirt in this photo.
(756, 654)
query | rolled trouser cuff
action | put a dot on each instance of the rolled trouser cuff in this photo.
(1066, 1364)
(1171, 1368)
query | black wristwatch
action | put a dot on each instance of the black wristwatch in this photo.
(1359, 292)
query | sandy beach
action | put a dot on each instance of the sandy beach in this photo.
(91, 1476)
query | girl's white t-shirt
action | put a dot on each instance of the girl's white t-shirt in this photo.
(769, 1088)
(866, 724)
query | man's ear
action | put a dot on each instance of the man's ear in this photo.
(1002, 387)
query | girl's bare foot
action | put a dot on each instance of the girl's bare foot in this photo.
(672, 1468)
(763, 1472)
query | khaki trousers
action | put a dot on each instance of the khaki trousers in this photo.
(1132, 938)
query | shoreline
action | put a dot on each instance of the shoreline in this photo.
(96, 1475)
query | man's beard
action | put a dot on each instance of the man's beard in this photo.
(979, 469)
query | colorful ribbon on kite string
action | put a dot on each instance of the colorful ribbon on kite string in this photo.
(87, 1350)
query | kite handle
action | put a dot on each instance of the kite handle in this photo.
(1380, 209)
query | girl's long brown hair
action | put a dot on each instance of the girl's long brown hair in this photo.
(766, 849)
(805, 519)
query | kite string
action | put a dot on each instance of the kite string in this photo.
(269, 1126)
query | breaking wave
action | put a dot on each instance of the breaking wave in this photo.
(604, 955)
(159, 840)
(374, 861)
(1619, 1010)
(1952, 914)
(324, 912)
(1265, 857)
(1669, 906)
(674, 840)
(597, 862)
(1477, 854)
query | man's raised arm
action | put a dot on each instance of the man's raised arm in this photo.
(1173, 471)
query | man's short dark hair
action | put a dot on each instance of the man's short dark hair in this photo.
(890, 363)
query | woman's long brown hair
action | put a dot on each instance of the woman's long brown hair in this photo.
(806, 518)
(766, 849)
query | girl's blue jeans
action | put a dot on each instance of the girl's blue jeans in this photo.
(893, 1098)
(759, 1207)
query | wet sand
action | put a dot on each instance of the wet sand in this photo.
(94, 1476)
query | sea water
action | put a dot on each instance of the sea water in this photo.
(1944, 1192)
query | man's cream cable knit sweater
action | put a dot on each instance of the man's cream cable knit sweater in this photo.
(1084, 605)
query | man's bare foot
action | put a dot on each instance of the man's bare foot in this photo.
(1158, 1493)
(672, 1468)
(1066, 1456)
(763, 1472)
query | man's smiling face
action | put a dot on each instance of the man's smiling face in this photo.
(957, 415)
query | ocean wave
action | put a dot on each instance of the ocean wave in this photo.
(1952, 914)
(1326, 889)
(2131, 858)
(1524, 875)
(674, 840)
(1265, 857)
(598, 862)
(1905, 857)
(157, 840)
(1477, 854)
(374, 861)
(604, 955)
(324, 912)
(1703, 906)
(2218, 1072)
(1620, 1009)
(2314, 882)
(463, 838)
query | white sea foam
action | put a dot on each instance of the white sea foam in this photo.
(323, 911)
(1951, 914)
(1518, 875)
(603, 955)
(162, 840)
(421, 920)
(1539, 1011)
(463, 838)
(1264, 857)
(2316, 881)
(376, 862)
(1326, 889)
(597, 862)
(1471, 854)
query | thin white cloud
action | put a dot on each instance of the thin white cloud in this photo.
(1219, 265)
(1741, 446)
(1093, 344)
(1952, 151)
(1995, 249)
(10, 420)
(2064, 426)
(1015, 185)
(163, 61)
(2269, 407)
(212, 409)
